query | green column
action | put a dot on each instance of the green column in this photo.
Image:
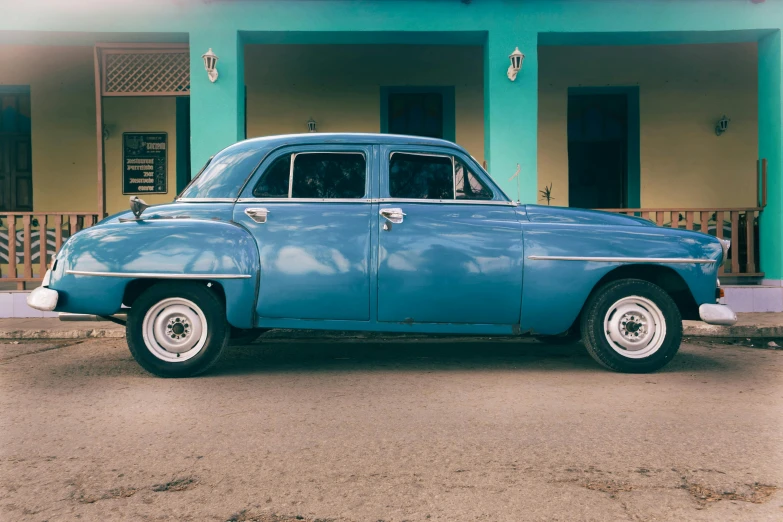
(217, 110)
(770, 102)
(511, 113)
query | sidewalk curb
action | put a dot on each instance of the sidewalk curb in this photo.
(700, 329)
(75, 333)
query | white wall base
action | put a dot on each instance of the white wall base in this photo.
(767, 297)
(13, 304)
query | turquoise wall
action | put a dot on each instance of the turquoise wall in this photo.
(500, 25)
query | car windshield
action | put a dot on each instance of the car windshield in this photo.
(225, 173)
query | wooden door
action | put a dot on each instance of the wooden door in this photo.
(16, 173)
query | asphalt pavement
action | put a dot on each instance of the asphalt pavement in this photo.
(373, 430)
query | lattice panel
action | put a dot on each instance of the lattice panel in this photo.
(160, 73)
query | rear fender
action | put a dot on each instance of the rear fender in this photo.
(555, 291)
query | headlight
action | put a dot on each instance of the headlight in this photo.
(725, 244)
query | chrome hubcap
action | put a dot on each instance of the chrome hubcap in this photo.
(174, 330)
(634, 327)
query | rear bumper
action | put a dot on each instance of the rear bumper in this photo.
(717, 314)
(42, 298)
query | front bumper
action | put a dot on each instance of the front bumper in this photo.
(717, 314)
(42, 298)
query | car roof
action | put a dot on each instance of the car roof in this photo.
(344, 137)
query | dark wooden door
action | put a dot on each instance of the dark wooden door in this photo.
(597, 150)
(16, 173)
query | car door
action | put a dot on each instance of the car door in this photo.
(449, 244)
(309, 209)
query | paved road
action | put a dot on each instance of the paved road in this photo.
(392, 431)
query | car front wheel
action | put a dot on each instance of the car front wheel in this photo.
(177, 329)
(632, 326)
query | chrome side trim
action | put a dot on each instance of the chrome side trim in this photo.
(448, 201)
(304, 200)
(205, 200)
(158, 275)
(380, 200)
(664, 260)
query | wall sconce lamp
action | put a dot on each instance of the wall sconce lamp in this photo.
(210, 64)
(722, 125)
(516, 64)
(106, 132)
(311, 125)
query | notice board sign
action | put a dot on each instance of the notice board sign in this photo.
(144, 157)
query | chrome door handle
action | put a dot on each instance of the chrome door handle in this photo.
(257, 214)
(392, 215)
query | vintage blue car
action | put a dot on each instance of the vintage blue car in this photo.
(379, 233)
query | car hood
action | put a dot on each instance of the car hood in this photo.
(546, 214)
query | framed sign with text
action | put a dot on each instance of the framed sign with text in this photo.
(144, 158)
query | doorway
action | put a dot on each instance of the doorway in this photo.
(418, 111)
(603, 148)
(16, 171)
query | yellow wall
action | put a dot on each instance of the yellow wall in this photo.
(62, 95)
(339, 86)
(683, 91)
(141, 114)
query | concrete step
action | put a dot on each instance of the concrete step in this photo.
(754, 298)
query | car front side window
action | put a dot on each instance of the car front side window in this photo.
(421, 176)
(434, 176)
(314, 175)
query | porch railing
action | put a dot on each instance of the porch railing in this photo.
(22, 258)
(740, 225)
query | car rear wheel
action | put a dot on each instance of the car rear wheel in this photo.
(177, 329)
(632, 326)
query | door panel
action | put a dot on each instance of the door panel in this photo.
(314, 259)
(314, 252)
(450, 263)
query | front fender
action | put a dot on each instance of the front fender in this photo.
(555, 291)
(95, 265)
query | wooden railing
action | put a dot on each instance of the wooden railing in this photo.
(740, 225)
(22, 260)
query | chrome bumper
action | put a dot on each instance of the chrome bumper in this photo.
(717, 314)
(42, 298)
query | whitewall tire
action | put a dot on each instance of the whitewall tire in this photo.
(631, 326)
(177, 329)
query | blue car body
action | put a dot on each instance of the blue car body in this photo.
(451, 266)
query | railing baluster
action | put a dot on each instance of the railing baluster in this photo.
(659, 218)
(750, 232)
(42, 244)
(72, 225)
(688, 220)
(646, 215)
(719, 235)
(58, 233)
(26, 247)
(12, 247)
(705, 222)
(734, 241)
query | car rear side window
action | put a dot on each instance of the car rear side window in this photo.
(421, 176)
(316, 175)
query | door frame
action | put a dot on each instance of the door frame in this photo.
(447, 92)
(633, 167)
